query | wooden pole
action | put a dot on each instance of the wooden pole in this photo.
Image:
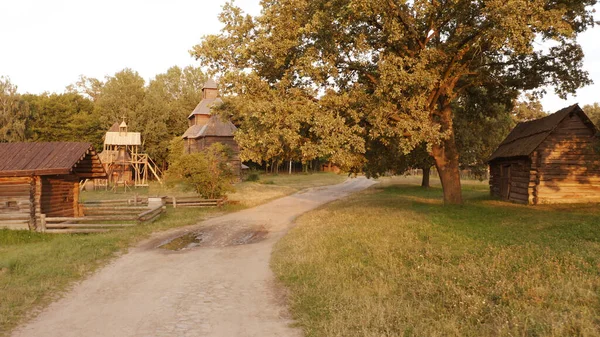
(42, 227)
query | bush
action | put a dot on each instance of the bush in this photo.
(253, 176)
(207, 172)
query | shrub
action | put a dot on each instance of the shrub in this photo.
(253, 176)
(208, 172)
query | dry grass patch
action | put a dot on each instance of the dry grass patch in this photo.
(398, 263)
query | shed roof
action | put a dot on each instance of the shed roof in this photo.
(50, 158)
(527, 136)
(205, 105)
(215, 127)
(123, 138)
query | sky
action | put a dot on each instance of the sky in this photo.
(48, 44)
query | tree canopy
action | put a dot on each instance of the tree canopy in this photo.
(14, 113)
(158, 110)
(593, 112)
(410, 61)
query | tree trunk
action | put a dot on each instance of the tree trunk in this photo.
(290, 171)
(445, 155)
(426, 173)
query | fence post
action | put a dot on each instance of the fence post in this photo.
(43, 223)
(174, 202)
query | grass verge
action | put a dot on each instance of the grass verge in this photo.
(36, 268)
(393, 261)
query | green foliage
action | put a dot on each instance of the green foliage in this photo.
(122, 95)
(169, 99)
(482, 119)
(385, 157)
(253, 176)
(593, 113)
(208, 172)
(14, 113)
(63, 117)
(90, 106)
(528, 110)
(408, 62)
(88, 87)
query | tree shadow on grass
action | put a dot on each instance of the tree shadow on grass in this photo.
(488, 221)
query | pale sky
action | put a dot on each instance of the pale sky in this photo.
(47, 44)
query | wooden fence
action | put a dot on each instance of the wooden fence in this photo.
(104, 215)
(195, 202)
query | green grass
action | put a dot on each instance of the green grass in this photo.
(36, 268)
(393, 261)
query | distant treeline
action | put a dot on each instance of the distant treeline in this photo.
(87, 108)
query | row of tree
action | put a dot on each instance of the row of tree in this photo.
(86, 110)
(362, 81)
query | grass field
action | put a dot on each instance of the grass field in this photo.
(393, 261)
(35, 268)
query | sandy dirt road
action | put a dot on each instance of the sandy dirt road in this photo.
(222, 287)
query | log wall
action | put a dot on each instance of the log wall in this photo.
(59, 197)
(516, 171)
(17, 204)
(566, 167)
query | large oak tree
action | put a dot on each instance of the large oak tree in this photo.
(414, 59)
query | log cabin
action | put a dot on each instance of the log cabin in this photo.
(554, 159)
(43, 179)
(206, 128)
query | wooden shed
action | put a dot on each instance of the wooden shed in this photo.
(206, 129)
(554, 159)
(43, 179)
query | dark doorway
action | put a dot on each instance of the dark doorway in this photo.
(505, 182)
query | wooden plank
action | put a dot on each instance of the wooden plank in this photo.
(520, 190)
(110, 213)
(116, 208)
(151, 211)
(15, 180)
(125, 201)
(197, 204)
(79, 231)
(15, 225)
(92, 218)
(14, 216)
(87, 225)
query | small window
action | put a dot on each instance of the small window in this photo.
(9, 205)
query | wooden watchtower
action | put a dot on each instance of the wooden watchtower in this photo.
(124, 160)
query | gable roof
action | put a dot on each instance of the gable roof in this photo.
(205, 105)
(114, 127)
(210, 84)
(49, 158)
(215, 127)
(527, 136)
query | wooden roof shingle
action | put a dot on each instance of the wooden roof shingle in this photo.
(49, 158)
(215, 127)
(527, 136)
(205, 106)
